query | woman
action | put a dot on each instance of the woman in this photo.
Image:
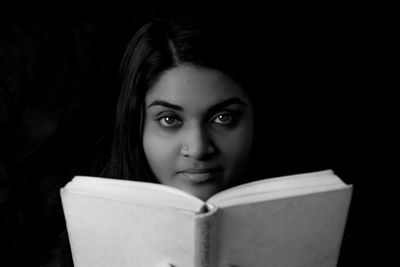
(185, 113)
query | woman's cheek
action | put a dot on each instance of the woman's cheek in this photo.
(237, 142)
(160, 154)
(235, 148)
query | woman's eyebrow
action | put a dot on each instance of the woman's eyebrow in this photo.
(220, 105)
(227, 102)
(165, 104)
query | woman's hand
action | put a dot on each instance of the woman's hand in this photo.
(163, 264)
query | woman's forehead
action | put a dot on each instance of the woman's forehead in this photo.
(189, 86)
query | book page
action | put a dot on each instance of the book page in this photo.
(150, 194)
(284, 186)
(105, 232)
(304, 230)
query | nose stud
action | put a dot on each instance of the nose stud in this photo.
(185, 150)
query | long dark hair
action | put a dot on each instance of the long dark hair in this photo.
(156, 47)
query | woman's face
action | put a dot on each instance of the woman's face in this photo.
(198, 130)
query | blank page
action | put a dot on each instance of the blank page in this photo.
(284, 186)
(132, 191)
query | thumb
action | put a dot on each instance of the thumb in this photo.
(164, 264)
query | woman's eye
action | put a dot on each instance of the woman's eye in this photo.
(223, 118)
(170, 121)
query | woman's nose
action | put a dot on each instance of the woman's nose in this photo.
(198, 144)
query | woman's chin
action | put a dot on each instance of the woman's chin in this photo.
(202, 186)
(203, 191)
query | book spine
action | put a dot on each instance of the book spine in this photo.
(205, 239)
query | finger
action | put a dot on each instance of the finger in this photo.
(164, 264)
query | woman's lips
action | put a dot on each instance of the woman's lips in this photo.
(201, 175)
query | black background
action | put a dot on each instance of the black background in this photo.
(328, 68)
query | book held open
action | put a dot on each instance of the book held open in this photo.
(295, 220)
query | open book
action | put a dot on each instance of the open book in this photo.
(295, 220)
